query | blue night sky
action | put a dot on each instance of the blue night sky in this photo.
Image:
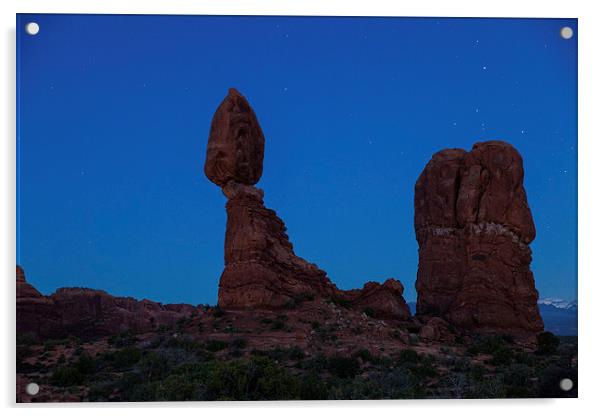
(114, 114)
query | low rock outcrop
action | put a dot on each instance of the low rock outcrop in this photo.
(473, 227)
(89, 313)
(381, 300)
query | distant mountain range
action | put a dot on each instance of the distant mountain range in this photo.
(559, 315)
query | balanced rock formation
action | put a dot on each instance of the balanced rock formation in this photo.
(473, 227)
(261, 268)
(89, 313)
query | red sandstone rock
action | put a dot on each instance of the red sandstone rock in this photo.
(473, 227)
(235, 147)
(261, 268)
(385, 301)
(35, 312)
(436, 329)
(89, 313)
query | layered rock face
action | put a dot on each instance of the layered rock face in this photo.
(261, 268)
(89, 313)
(473, 227)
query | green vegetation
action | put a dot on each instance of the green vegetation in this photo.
(547, 343)
(173, 366)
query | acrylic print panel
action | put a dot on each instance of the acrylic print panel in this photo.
(425, 169)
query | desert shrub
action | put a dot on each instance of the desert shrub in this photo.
(315, 325)
(547, 343)
(300, 298)
(522, 357)
(501, 356)
(85, 364)
(179, 387)
(126, 357)
(485, 388)
(215, 345)
(342, 302)
(66, 375)
(313, 388)
(154, 366)
(218, 312)
(356, 330)
(317, 364)
(141, 392)
(391, 384)
(124, 339)
(162, 329)
(461, 365)
(548, 385)
(365, 355)
(414, 339)
(26, 338)
(185, 342)
(486, 345)
(101, 391)
(278, 325)
(369, 312)
(425, 370)
(408, 356)
(256, 379)
(239, 343)
(51, 344)
(280, 354)
(23, 351)
(399, 383)
(343, 367)
(517, 381)
(445, 350)
(295, 353)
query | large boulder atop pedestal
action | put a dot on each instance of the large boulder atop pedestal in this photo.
(235, 147)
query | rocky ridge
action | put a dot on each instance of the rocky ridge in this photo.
(89, 313)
